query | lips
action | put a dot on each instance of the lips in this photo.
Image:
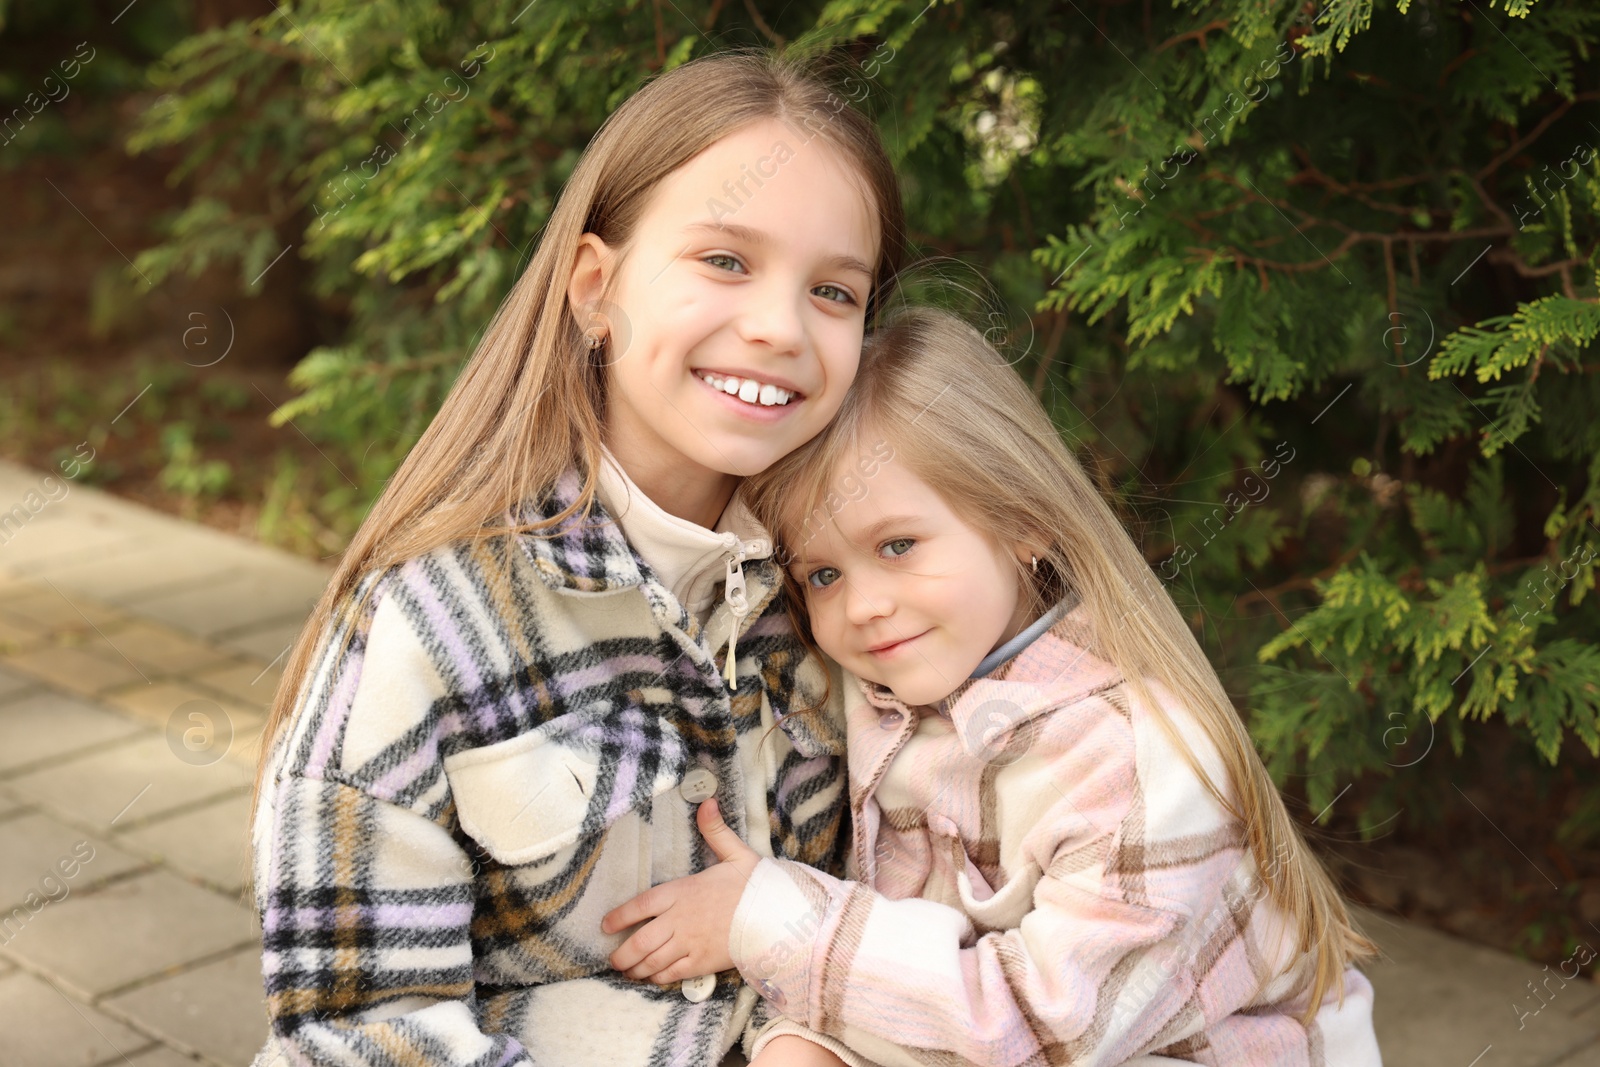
(894, 645)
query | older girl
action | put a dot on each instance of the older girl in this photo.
(553, 635)
(1068, 850)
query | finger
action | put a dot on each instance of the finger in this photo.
(646, 905)
(685, 967)
(723, 841)
(668, 954)
(645, 940)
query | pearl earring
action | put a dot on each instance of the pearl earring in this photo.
(594, 340)
(1035, 564)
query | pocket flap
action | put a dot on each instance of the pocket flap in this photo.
(532, 795)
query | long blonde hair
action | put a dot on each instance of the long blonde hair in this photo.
(529, 403)
(964, 422)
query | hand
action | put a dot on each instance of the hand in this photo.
(690, 917)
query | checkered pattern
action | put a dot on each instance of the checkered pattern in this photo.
(489, 768)
(1046, 881)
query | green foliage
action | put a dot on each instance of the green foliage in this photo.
(1365, 232)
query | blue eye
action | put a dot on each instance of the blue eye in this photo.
(721, 255)
(898, 547)
(822, 577)
(848, 299)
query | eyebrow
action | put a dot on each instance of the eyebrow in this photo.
(876, 530)
(761, 239)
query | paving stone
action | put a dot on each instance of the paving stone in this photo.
(18, 634)
(106, 938)
(1439, 999)
(251, 683)
(268, 643)
(245, 600)
(54, 611)
(35, 847)
(157, 702)
(85, 669)
(39, 725)
(159, 1056)
(208, 842)
(218, 1009)
(159, 649)
(12, 684)
(151, 567)
(50, 538)
(43, 1027)
(130, 783)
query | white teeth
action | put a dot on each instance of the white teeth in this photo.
(749, 390)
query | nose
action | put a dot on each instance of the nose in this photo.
(866, 600)
(773, 318)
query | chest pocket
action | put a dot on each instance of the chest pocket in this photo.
(535, 794)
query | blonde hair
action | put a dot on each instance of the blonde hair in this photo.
(965, 423)
(529, 403)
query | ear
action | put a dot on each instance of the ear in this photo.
(591, 270)
(1025, 551)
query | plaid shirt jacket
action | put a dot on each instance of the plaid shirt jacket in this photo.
(490, 767)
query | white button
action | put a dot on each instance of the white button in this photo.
(698, 988)
(699, 784)
(889, 720)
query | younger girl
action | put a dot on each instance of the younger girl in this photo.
(1068, 850)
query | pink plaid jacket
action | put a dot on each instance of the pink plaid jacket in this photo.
(1038, 878)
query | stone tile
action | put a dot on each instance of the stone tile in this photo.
(251, 683)
(208, 842)
(151, 567)
(218, 1009)
(52, 537)
(55, 611)
(159, 1056)
(106, 938)
(44, 1028)
(18, 634)
(102, 786)
(40, 725)
(159, 649)
(39, 852)
(12, 684)
(248, 598)
(85, 669)
(1439, 999)
(267, 643)
(157, 702)
(1587, 1056)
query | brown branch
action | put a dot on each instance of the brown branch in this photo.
(1052, 343)
(1194, 35)
(661, 37)
(761, 24)
(1394, 303)
(1543, 125)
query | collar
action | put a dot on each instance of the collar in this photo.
(687, 558)
(592, 555)
(1051, 668)
(1026, 637)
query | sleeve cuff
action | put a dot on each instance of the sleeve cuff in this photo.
(773, 936)
(754, 1043)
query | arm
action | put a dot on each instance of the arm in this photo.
(1087, 978)
(365, 895)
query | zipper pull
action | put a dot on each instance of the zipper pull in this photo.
(739, 604)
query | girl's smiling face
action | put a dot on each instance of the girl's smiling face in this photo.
(902, 591)
(735, 320)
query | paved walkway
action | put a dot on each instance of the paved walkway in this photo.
(136, 661)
